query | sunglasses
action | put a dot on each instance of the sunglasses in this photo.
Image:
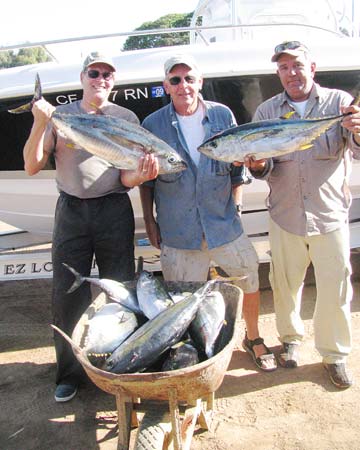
(93, 74)
(291, 45)
(174, 81)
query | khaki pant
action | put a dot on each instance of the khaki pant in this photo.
(238, 258)
(330, 256)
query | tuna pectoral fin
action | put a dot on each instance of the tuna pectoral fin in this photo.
(125, 142)
(67, 338)
(28, 106)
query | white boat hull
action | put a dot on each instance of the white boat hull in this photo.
(28, 203)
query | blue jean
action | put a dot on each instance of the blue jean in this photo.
(102, 227)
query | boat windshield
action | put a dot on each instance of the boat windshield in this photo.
(282, 19)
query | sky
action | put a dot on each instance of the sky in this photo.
(44, 20)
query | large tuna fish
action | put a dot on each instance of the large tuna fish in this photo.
(117, 141)
(115, 290)
(208, 322)
(266, 138)
(157, 335)
(152, 295)
(108, 328)
(181, 355)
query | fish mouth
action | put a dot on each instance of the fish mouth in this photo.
(181, 165)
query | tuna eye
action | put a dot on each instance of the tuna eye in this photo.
(171, 159)
(214, 144)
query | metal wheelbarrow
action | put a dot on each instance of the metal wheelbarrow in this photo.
(180, 399)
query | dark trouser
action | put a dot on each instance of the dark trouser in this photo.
(103, 227)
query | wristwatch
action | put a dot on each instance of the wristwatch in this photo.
(239, 207)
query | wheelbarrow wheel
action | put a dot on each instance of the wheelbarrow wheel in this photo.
(154, 430)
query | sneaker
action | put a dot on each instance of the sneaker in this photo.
(289, 357)
(65, 392)
(338, 375)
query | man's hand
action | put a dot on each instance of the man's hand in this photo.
(42, 111)
(256, 165)
(352, 121)
(147, 169)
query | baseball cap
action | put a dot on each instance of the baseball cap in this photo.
(188, 60)
(97, 57)
(294, 48)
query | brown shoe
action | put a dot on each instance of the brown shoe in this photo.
(338, 375)
(289, 357)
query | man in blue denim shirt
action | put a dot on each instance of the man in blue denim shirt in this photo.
(196, 216)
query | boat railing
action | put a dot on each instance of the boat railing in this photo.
(193, 31)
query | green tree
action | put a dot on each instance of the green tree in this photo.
(23, 57)
(161, 40)
(6, 59)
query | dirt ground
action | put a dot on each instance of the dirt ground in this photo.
(288, 409)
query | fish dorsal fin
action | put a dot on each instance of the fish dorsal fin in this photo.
(287, 115)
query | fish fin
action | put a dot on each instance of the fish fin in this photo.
(177, 345)
(98, 110)
(140, 265)
(78, 279)
(228, 279)
(213, 273)
(71, 145)
(287, 115)
(306, 146)
(28, 106)
(121, 140)
(67, 338)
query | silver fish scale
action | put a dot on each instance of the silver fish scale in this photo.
(266, 139)
(152, 295)
(156, 335)
(117, 141)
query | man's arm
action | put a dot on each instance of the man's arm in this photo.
(35, 158)
(237, 191)
(147, 202)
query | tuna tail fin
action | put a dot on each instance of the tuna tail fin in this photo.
(28, 106)
(78, 279)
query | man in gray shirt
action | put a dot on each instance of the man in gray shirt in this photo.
(93, 216)
(308, 203)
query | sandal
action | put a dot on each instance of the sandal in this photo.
(260, 360)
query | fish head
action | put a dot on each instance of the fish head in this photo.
(209, 148)
(145, 279)
(171, 162)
